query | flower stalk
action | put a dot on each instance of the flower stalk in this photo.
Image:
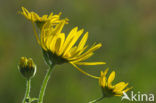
(28, 87)
(44, 85)
(97, 100)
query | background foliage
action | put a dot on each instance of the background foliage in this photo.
(126, 28)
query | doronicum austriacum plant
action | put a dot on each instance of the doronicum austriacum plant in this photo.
(59, 48)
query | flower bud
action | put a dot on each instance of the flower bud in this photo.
(27, 67)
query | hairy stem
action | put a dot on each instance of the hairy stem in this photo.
(97, 100)
(44, 85)
(28, 86)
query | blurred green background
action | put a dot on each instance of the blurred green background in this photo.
(126, 28)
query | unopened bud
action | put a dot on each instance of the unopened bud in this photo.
(27, 67)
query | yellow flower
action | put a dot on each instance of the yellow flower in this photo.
(58, 49)
(34, 17)
(111, 90)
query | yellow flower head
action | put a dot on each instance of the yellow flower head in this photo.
(111, 90)
(34, 17)
(58, 49)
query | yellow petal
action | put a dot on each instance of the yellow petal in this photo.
(106, 71)
(83, 42)
(73, 50)
(103, 78)
(68, 39)
(122, 91)
(73, 41)
(118, 94)
(52, 44)
(61, 36)
(34, 16)
(44, 17)
(93, 48)
(84, 71)
(48, 41)
(37, 37)
(120, 86)
(102, 73)
(82, 58)
(42, 42)
(59, 27)
(57, 45)
(54, 21)
(110, 79)
(26, 13)
(123, 87)
(76, 53)
(51, 15)
(102, 81)
(90, 63)
(127, 89)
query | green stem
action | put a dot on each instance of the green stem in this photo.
(28, 86)
(44, 85)
(97, 100)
